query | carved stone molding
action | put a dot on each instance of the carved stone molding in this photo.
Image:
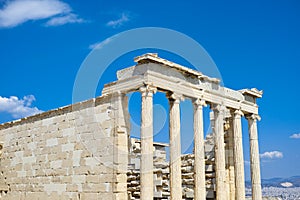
(174, 97)
(254, 117)
(239, 112)
(218, 108)
(148, 90)
(199, 102)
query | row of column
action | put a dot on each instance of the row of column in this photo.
(219, 112)
(146, 168)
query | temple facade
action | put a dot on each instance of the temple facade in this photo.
(82, 151)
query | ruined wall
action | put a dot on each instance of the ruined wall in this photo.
(161, 172)
(74, 152)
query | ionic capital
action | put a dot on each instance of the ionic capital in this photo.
(148, 90)
(238, 113)
(254, 117)
(218, 108)
(199, 102)
(176, 98)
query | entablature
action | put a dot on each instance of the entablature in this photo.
(167, 76)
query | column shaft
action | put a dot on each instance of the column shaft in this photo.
(220, 153)
(230, 156)
(238, 156)
(199, 165)
(175, 149)
(254, 158)
(146, 168)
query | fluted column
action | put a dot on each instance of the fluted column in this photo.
(220, 152)
(254, 157)
(238, 156)
(146, 168)
(230, 156)
(175, 148)
(199, 165)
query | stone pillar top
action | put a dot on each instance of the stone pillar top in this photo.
(254, 117)
(199, 102)
(176, 98)
(148, 90)
(238, 113)
(218, 107)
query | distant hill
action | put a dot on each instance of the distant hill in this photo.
(293, 181)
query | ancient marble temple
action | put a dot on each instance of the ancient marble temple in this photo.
(43, 157)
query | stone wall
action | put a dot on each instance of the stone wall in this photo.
(74, 152)
(161, 172)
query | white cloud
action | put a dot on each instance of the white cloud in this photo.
(17, 12)
(295, 136)
(99, 45)
(272, 154)
(286, 184)
(18, 108)
(71, 18)
(119, 22)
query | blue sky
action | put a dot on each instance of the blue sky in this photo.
(254, 44)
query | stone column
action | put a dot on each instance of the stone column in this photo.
(221, 192)
(238, 156)
(175, 148)
(199, 165)
(120, 156)
(254, 157)
(230, 156)
(146, 168)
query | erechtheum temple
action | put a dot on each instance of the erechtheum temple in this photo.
(44, 156)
